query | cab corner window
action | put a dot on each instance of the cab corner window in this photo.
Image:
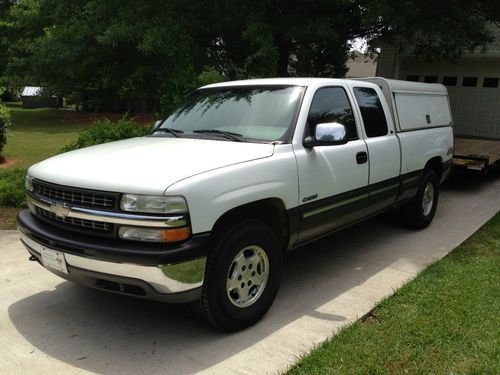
(330, 104)
(372, 112)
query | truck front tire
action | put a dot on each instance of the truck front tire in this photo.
(242, 276)
(419, 211)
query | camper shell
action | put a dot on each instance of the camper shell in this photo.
(415, 105)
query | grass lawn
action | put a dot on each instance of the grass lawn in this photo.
(446, 321)
(37, 134)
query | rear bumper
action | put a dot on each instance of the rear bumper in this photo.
(170, 274)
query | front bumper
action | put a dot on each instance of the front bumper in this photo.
(171, 274)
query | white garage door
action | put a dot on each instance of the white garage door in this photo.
(474, 89)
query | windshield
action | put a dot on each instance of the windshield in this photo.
(261, 113)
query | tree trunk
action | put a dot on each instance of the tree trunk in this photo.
(283, 56)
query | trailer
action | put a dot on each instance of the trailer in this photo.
(476, 154)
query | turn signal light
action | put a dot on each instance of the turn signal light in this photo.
(173, 235)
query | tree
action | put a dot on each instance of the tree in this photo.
(97, 51)
(432, 29)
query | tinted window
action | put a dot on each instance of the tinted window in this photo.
(469, 82)
(371, 111)
(412, 78)
(490, 82)
(330, 104)
(430, 79)
(449, 81)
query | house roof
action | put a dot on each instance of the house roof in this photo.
(31, 91)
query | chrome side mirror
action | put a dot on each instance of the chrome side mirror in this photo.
(331, 133)
(156, 124)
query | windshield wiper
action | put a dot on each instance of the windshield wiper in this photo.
(229, 135)
(174, 132)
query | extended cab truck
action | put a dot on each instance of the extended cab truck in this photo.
(204, 208)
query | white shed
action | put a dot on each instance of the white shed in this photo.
(32, 97)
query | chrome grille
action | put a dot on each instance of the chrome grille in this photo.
(72, 196)
(79, 223)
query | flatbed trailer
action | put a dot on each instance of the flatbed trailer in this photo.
(476, 154)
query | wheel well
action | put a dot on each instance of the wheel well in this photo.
(436, 165)
(271, 211)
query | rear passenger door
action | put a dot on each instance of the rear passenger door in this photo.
(383, 147)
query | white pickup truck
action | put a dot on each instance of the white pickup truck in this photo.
(204, 209)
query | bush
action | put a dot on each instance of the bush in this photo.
(105, 130)
(4, 125)
(12, 192)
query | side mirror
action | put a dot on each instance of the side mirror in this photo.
(156, 124)
(331, 133)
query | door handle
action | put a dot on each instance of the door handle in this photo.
(361, 157)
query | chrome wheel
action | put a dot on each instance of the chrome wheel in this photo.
(247, 276)
(428, 199)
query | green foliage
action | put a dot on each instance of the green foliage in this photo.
(97, 51)
(12, 191)
(419, 28)
(105, 130)
(5, 123)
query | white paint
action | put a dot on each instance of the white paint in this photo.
(416, 111)
(146, 165)
(217, 176)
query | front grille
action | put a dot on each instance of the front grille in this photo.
(76, 197)
(77, 223)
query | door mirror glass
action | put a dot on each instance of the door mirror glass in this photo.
(331, 133)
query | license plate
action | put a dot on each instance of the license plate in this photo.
(54, 259)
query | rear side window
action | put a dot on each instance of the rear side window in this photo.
(372, 112)
(330, 104)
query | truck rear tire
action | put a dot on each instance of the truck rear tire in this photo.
(419, 211)
(242, 276)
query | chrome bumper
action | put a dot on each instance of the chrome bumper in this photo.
(164, 279)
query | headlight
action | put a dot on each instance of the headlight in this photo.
(157, 204)
(28, 182)
(153, 234)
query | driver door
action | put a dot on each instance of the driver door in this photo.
(333, 180)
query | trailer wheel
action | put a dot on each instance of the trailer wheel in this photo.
(242, 276)
(419, 211)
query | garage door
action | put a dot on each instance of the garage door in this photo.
(474, 90)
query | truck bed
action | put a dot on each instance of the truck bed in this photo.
(476, 154)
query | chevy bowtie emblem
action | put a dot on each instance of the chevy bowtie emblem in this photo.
(60, 210)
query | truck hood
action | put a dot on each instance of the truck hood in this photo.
(146, 165)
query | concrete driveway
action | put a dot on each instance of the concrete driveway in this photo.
(49, 325)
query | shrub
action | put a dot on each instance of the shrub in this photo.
(12, 192)
(4, 125)
(105, 130)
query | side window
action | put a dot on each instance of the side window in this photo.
(330, 104)
(372, 112)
